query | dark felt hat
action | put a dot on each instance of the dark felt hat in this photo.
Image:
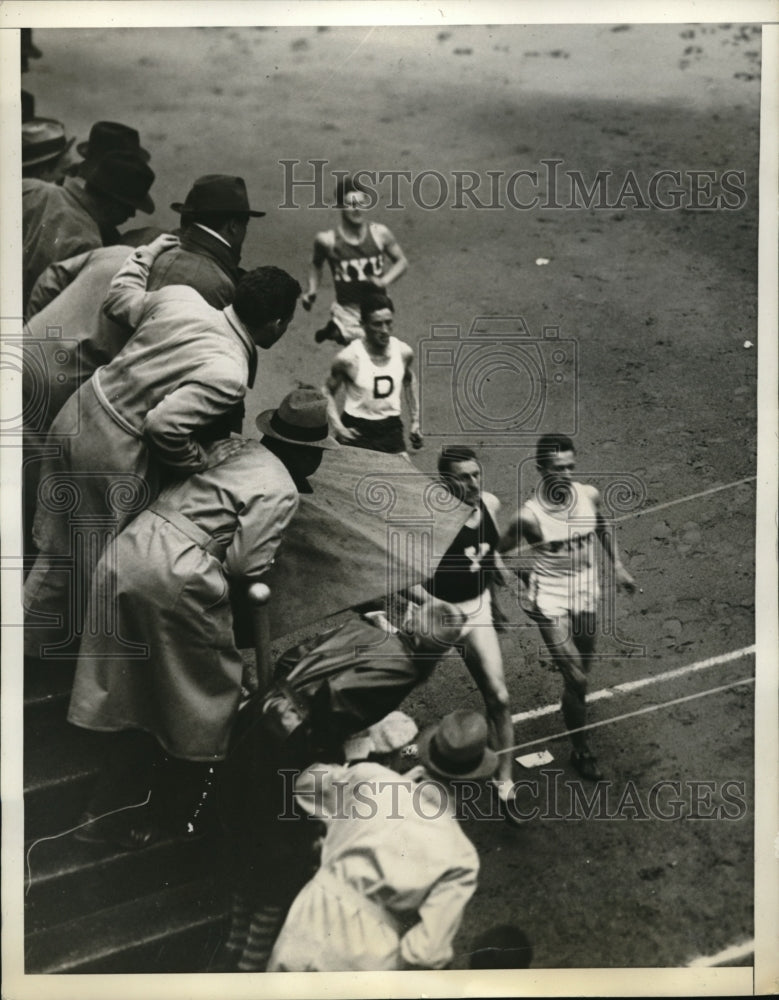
(457, 747)
(43, 139)
(123, 177)
(217, 193)
(106, 137)
(301, 418)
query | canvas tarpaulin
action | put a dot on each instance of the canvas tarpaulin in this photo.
(373, 525)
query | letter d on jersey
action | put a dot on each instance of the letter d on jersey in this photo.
(381, 381)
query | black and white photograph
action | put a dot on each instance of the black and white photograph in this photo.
(389, 482)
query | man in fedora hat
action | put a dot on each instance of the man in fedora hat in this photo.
(109, 137)
(214, 220)
(404, 860)
(45, 147)
(168, 574)
(206, 259)
(137, 419)
(61, 221)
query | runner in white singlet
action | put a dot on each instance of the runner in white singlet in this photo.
(372, 373)
(560, 524)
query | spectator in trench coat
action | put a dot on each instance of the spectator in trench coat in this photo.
(136, 419)
(169, 666)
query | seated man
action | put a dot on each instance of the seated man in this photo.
(372, 372)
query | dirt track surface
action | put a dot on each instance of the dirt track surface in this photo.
(660, 305)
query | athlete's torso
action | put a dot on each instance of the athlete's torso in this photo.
(460, 575)
(567, 545)
(354, 264)
(373, 393)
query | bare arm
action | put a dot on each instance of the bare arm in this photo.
(393, 250)
(340, 374)
(411, 394)
(321, 249)
(608, 540)
(522, 528)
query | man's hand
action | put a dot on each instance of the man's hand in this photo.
(415, 437)
(346, 434)
(166, 241)
(308, 300)
(378, 281)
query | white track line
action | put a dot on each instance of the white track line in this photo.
(712, 661)
(628, 715)
(733, 953)
(692, 496)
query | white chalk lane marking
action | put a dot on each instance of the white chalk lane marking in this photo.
(627, 686)
(692, 496)
(629, 715)
(731, 954)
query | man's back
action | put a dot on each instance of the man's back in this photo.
(87, 337)
(393, 850)
(56, 224)
(201, 262)
(179, 340)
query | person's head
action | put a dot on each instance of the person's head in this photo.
(455, 749)
(297, 432)
(502, 947)
(109, 137)
(377, 314)
(265, 302)
(433, 626)
(556, 462)
(45, 149)
(220, 202)
(352, 199)
(119, 184)
(460, 471)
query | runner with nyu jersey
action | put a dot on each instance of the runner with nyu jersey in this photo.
(561, 523)
(358, 253)
(372, 373)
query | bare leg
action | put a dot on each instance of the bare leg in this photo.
(561, 644)
(484, 661)
(571, 645)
